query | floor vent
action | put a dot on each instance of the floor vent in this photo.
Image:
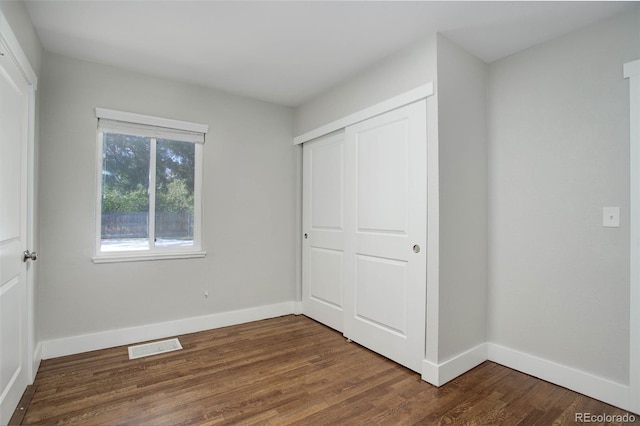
(154, 348)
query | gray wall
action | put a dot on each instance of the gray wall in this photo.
(559, 152)
(249, 202)
(462, 89)
(402, 71)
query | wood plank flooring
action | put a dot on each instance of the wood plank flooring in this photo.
(287, 370)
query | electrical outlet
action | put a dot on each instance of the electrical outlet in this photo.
(611, 217)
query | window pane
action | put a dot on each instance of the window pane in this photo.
(125, 192)
(175, 162)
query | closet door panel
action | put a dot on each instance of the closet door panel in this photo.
(381, 289)
(323, 228)
(385, 234)
(327, 183)
(325, 279)
(382, 159)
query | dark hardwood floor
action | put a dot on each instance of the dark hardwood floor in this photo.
(287, 370)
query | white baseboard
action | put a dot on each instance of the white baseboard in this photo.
(108, 339)
(596, 387)
(297, 308)
(439, 374)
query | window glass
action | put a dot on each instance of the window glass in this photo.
(125, 193)
(174, 213)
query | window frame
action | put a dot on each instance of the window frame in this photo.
(152, 253)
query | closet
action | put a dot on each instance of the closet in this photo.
(364, 260)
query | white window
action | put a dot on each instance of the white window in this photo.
(149, 203)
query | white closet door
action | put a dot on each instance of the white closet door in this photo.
(323, 227)
(385, 234)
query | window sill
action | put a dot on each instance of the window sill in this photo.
(147, 256)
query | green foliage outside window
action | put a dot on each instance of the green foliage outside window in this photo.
(126, 175)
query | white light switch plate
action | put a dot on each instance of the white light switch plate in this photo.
(611, 217)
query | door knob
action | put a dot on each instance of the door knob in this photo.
(416, 248)
(29, 256)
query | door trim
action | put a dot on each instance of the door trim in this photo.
(632, 72)
(420, 92)
(9, 39)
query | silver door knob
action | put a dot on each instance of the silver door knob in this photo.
(29, 256)
(416, 248)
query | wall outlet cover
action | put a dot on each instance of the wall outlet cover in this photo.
(611, 217)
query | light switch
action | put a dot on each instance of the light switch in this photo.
(611, 217)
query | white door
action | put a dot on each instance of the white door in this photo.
(14, 114)
(323, 227)
(385, 234)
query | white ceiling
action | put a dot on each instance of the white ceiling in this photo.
(289, 52)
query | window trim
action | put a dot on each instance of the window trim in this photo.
(153, 253)
(150, 120)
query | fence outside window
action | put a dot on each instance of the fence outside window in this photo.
(177, 225)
